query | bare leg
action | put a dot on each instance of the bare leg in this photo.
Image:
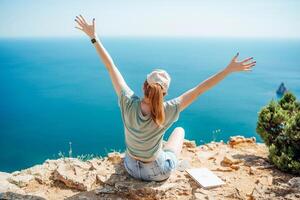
(175, 141)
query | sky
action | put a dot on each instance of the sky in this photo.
(186, 18)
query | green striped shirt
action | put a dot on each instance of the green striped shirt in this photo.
(142, 136)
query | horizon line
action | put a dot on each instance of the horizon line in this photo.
(147, 36)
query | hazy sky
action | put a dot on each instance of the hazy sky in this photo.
(228, 18)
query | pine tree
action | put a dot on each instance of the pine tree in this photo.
(279, 127)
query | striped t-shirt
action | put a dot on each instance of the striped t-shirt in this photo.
(142, 135)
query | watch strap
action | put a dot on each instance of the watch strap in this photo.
(93, 40)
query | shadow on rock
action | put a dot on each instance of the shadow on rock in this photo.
(15, 196)
(253, 160)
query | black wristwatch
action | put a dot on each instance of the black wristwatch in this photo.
(93, 40)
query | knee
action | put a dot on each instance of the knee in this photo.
(180, 130)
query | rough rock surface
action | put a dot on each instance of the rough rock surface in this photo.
(242, 164)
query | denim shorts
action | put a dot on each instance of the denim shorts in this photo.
(158, 170)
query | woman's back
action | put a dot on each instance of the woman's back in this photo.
(142, 135)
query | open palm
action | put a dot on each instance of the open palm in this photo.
(245, 65)
(82, 25)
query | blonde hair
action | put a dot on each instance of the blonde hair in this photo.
(154, 92)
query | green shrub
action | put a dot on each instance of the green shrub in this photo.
(279, 127)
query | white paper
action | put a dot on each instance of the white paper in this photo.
(205, 177)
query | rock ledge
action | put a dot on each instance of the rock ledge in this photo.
(242, 164)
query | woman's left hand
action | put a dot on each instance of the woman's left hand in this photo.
(88, 29)
(245, 65)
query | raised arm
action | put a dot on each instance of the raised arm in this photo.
(115, 75)
(234, 66)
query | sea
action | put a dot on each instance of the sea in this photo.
(55, 93)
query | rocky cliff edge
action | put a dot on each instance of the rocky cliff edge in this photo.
(241, 163)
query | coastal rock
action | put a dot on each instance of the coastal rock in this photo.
(223, 169)
(15, 173)
(295, 182)
(189, 144)
(5, 185)
(21, 180)
(207, 155)
(235, 167)
(15, 196)
(41, 173)
(230, 161)
(4, 176)
(106, 178)
(75, 174)
(114, 157)
(235, 140)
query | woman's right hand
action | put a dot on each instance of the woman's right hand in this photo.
(88, 29)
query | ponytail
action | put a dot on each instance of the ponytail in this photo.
(155, 94)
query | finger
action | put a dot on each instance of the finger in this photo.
(82, 18)
(248, 70)
(236, 56)
(94, 22)
(246, 60)
(79, 28)
(249, 67)
(78, 22)
(249, 64)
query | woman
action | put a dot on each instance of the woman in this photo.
(146, 119)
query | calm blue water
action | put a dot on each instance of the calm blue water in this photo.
(56, 90)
